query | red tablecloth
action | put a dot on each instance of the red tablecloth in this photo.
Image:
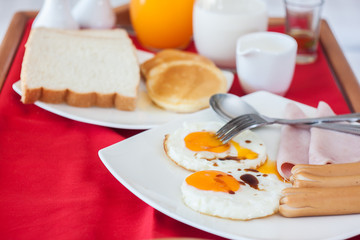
(54, 186)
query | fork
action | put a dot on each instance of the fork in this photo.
(249, 121)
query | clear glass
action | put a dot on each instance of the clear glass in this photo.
(303, 24)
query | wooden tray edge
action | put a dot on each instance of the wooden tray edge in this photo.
(342, 71)
(11, 42)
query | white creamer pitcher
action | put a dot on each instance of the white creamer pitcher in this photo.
(217, 24)
(266, 61)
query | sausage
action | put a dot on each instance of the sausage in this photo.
(304, 179)
(342, 169)
(298, 202)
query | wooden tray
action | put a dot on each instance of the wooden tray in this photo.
(342, 71)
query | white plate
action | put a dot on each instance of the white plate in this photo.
(152, 177)
(146, 115)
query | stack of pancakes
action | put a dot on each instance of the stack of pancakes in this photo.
(182, 81)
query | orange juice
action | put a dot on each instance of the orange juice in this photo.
(162, 24)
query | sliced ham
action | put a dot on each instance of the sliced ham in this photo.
(332, 147)
(294, 143)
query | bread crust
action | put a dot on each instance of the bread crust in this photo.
(79, 99)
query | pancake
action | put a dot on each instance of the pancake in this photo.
(169, 55)
(182, 82)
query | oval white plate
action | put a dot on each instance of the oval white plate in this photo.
(146, 115)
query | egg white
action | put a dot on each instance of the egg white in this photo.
(247, 202)
(176, 150)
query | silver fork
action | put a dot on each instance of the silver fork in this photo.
(249, 121)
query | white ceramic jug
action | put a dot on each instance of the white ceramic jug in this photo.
(94, 14)
(55, 14)
(266, 61)
(217, 24)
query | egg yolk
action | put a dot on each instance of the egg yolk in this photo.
(212, 180)
(205, 141)
(269, 167)
(244, 153)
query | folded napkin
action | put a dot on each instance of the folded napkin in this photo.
(314, 146)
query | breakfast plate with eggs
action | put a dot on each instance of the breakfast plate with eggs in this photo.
(147, 114)
(220, 191)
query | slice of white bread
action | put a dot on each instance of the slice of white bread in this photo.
(80, 67)
(182, 82)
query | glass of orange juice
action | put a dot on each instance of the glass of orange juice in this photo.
(161, 24)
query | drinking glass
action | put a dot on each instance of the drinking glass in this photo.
(161, 24)
(303, 24)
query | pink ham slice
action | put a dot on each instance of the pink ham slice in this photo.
(294, 143)
(330, 146)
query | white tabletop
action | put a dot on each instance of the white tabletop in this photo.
(343, 17)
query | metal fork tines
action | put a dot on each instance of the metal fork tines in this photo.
(238, 124)
(250, 121)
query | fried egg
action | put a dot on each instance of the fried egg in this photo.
(243, 194)
(195, 147)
